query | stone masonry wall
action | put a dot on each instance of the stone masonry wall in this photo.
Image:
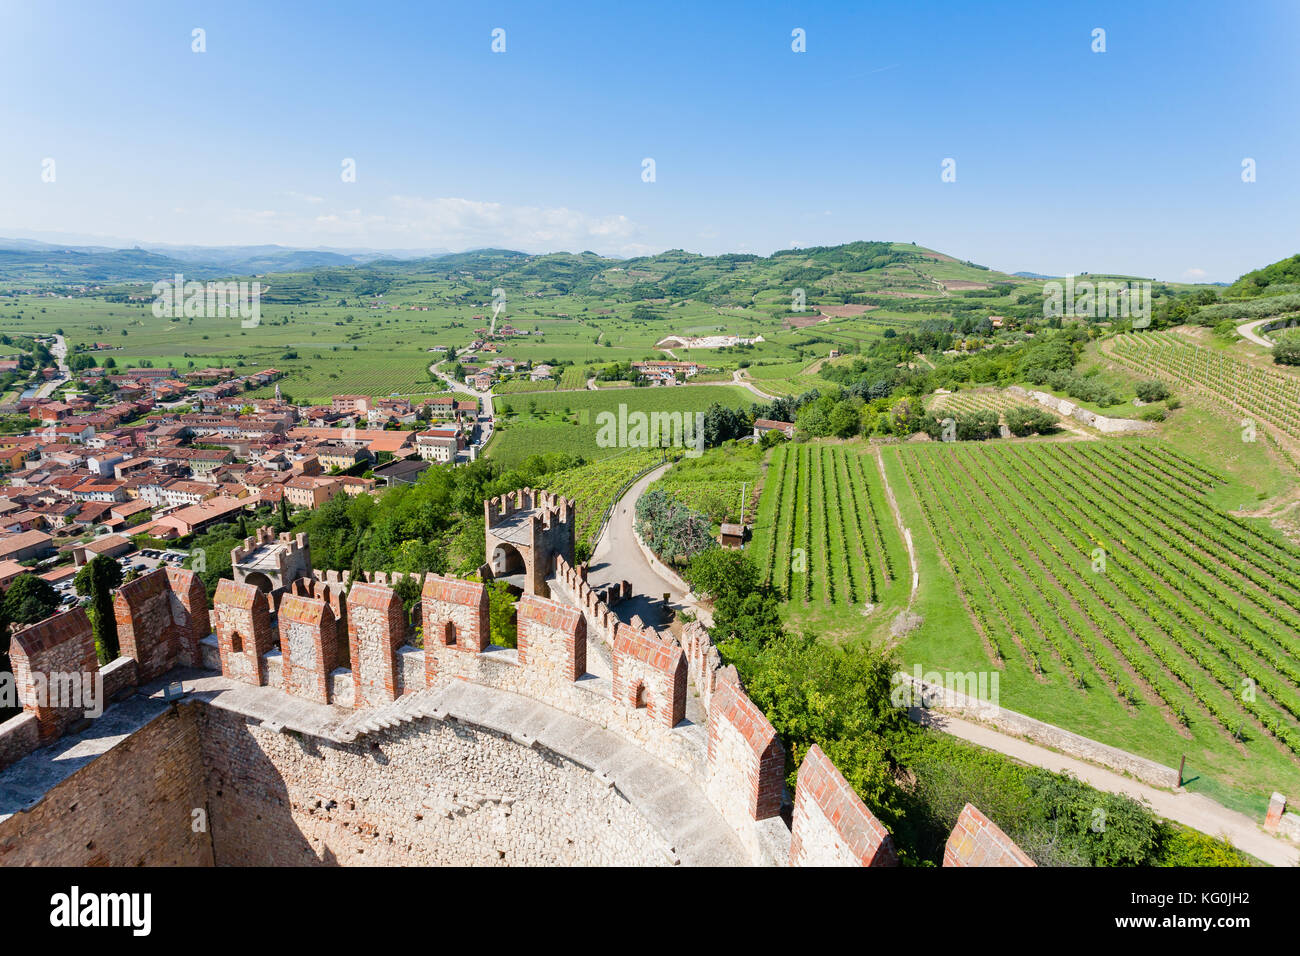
(131, 806)
(428, 793)
(376, 628)
(309, 646)
(44, 658)
(244, 633)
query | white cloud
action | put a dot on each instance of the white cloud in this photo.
(1195, 275)
(403, 221)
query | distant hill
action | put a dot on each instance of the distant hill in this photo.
(1268, 280)
(857, 272)
(30, 260)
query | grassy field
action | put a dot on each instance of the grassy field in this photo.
(719, 483)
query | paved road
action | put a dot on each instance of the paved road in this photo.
(1190, 809)
(617, 557)
(1247, 331)
(484, 398)
(60, 352)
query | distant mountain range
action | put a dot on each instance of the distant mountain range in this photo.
(46, 262)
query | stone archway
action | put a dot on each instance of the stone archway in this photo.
(260, 581)
(507, 560)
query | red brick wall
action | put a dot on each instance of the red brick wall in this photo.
(59, 645)
(746, 759)
(831, 826)
(190, 611)
(240, 611)
(656, 669)
(308, 646)
(551, 635)
(376, 629)
(462, 605)
(977, 841)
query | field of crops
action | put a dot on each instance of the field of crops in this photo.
(516, 385)
(570, 421)
(979, 400)
(1100, 569)
(574, 376)
(824, 533)
(1269, 395)
(718, 481)
(593, 487)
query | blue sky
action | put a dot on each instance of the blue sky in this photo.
(1067, 160)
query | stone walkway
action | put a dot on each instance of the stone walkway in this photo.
(1190, 809)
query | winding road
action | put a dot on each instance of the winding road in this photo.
(618, 557)
(1247, 330)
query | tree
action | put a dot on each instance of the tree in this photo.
(29, 599)
(98, 580)
(1287, 350)
(1152, 391)
(501, 615)
(282, 523)
(670, 529)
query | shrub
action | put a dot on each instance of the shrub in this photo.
(1152, 391)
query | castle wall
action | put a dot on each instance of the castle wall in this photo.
(426, 793)
(132, 805)
(831, 826)
(978, 841)
(161, 617)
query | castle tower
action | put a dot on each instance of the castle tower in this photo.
(525, 531)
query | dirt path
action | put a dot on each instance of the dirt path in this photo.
(1190, 809)
(902, 528)
(737, 378)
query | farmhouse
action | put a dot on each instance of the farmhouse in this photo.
(764, 425)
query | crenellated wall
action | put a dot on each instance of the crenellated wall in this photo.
(830, 825)
(161, 617)
(308, 757)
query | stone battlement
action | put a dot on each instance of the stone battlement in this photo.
(333, 659)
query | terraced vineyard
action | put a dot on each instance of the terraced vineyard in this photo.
(1269, 395)
(824, 533)
(979, 400)
(1100, 568)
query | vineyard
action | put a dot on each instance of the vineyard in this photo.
(824, 534)
(593, 487)
(980, 400)
(715, 482)
(1271, 396)
(574, 377)
(1099, 569)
